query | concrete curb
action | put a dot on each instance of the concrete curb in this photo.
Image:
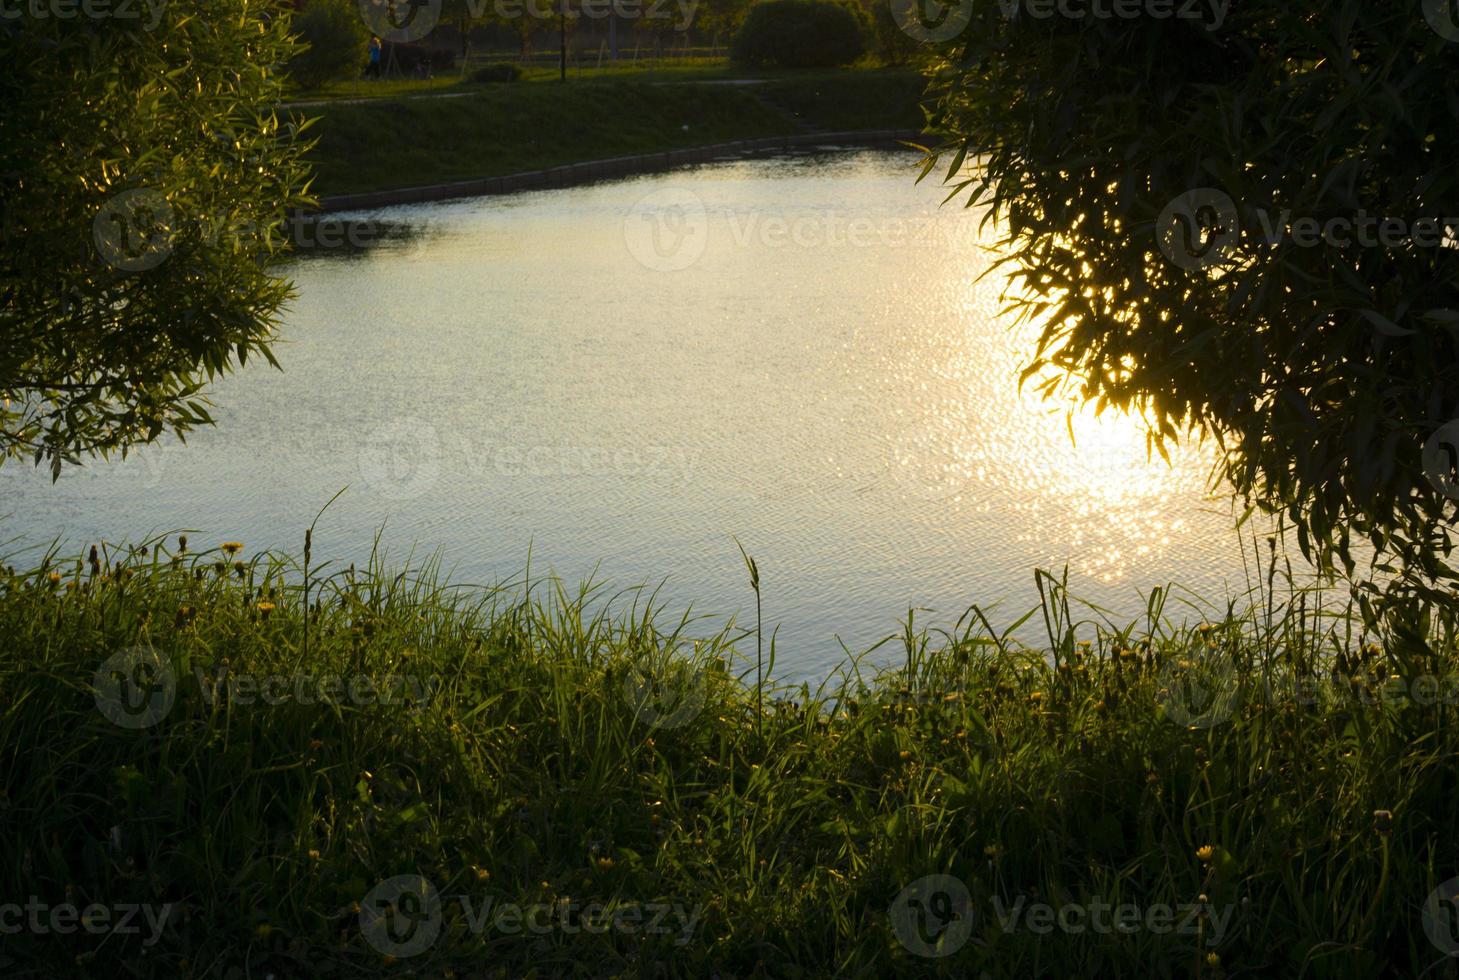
(582, 173)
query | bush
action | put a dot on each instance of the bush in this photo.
(799, 34)
(504, 72)
(337, 42)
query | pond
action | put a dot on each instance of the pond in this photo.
(623, 379)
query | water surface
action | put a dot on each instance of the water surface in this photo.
(625, 377)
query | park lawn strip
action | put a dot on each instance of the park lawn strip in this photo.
(886, 98)
(497, 130)
(1258, 795)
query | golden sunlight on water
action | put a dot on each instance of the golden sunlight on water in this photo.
(621, 379)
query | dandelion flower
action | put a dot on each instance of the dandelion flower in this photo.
(1205, 853)
(232, 547)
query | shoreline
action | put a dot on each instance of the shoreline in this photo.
(575, 174)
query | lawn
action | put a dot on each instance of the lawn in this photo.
(498, 129)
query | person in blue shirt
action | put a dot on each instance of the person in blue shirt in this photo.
(373, 71)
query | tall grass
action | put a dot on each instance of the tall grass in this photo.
(1280, 774)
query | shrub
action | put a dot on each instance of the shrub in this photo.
(799, 34)
(503, 72)
(337, 43)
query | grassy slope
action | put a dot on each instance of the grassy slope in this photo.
(533, 775)
(885, 98)
(501, 129)
(645, 71)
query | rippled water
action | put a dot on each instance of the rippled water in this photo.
(625, 377)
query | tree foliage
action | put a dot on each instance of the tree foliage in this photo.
(337, 43)
(890, 42)
(799, 34)
(1322, 367)
(144, 178)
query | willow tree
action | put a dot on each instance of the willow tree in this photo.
(1231, 220)
(144, 179)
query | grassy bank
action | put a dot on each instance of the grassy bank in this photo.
(600, 794)
(493, 130)
(646, 70)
